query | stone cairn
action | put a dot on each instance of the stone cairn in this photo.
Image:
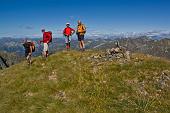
(118, 52)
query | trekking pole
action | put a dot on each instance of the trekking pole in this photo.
(1, 67)
(4, 61)
(40, 48)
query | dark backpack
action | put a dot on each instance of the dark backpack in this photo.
(33, 47)
(27, 46)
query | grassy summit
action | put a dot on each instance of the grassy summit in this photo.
(73, 82)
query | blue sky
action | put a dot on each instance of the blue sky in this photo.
(24, 18)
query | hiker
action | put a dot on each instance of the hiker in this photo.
(29, 49)
(47, 38)
(68, 32)
(81, 30)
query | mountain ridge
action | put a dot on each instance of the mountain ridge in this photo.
(14, 50)
(76, 82)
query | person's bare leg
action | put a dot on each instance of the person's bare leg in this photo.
(83, 45)
(46, 53)
(29, 59)
(69, 45)
(80, 45)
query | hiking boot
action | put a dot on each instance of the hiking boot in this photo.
(83, 49)
(80, 49)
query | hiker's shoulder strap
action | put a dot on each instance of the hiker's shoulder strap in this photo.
(83, 27)
(26, 44)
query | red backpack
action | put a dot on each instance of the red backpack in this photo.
(47, 36)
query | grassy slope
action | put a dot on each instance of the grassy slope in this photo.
(68, 82)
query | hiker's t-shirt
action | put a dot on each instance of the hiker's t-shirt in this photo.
(81, 29)
(68, 31)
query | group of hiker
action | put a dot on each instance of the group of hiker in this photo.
(47, 39)
(68, 32)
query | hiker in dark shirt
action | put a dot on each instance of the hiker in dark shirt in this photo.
(29, 49)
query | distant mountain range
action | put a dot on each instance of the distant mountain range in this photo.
(156, 34)
(156, 43)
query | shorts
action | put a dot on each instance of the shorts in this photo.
(67, 40)
(46, 48)
(27, 51)
(80, 37)
(26, 54)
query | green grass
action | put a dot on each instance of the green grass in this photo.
(70, 82)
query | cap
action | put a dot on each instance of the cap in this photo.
(29, 41)
(43, 30)
(67, 23)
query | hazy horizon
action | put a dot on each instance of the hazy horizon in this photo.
(27, 17)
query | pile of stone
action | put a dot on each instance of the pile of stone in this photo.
(112, 54)
(118, 52)
(163, 81)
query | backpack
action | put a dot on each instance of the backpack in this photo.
(33, 46)
(51, 36)
(84, 28)
(81, 29)
(27, 46)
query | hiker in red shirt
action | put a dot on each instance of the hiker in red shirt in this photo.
(47, 38)
(68, 32)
